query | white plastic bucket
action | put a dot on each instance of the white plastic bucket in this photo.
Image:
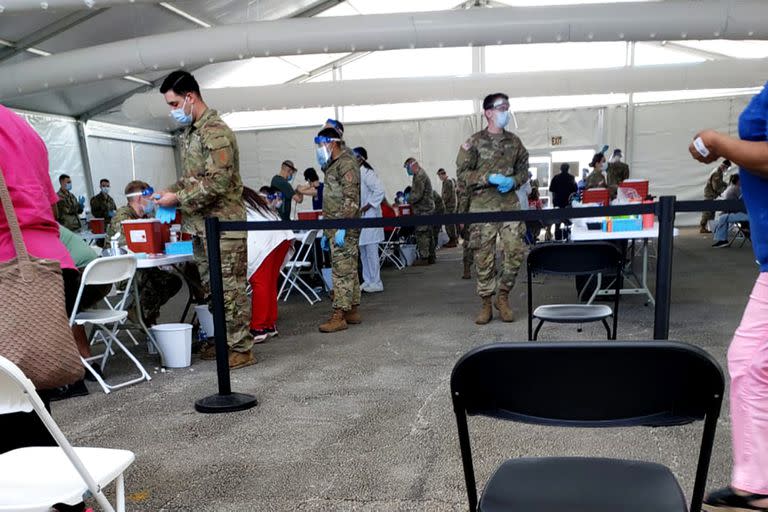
(409, 253)
(175, 344)
(205, 317)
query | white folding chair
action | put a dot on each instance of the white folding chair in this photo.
(33, 479)
(108, 270)
(389, 250)
(290, 271)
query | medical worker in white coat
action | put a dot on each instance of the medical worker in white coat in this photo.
(371, 196)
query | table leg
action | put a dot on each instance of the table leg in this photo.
(651, 298)
(140, 314)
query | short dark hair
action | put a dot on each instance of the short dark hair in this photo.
(181, 82)
(408, 160)
(331, 133)
(441, 171)
(102, 180)
(727, 163)
(565, 167)
(310, 174)
(491, 99)
(136, 186)
(64, 177)
(599, 157)
(734, 180)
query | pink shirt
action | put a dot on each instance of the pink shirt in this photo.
(24, 163)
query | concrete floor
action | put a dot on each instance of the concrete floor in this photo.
(361, 420)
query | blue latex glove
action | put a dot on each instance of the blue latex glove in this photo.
(605, 149)
(112, 213)
(82, 201)
(338, 238)
(503, 183)
(324, 243)
(165, 214)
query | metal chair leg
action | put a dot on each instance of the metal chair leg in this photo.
(607, 328)
(536, 331)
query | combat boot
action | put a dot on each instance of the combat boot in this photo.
(431, 260)
(352, 317)
(486, 313)
(335, 323)
(240, 359)
(502, 305)
(421, 262)
(467, 271)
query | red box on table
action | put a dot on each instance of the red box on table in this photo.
(144, 235)
(96, 225)
(596, 195)
(310, 215)
(639, 186)
(404, 209)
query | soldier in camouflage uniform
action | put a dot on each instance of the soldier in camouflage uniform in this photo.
(211, 187)
(439, 210)
(69, 208)
(102, 204)
(156, 287)
(617, 172)
(596, 178)
(712, 190)
(341, 200)
(422, 202)
(491, 164)
(448, 194)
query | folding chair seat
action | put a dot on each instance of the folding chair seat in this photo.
(578, 259)
(32, 479)
(108, 270)
(290, 272)
(587, 385)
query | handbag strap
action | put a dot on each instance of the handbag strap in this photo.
(13, 223)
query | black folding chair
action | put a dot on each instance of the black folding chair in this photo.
(577, 384)
(575, 259)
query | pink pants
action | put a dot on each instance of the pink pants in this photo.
(748, 366)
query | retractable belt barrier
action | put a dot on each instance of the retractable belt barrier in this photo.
(665, 209)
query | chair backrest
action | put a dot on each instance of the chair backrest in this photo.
(578, 384)
(18, 394)
(307, 240)
(107, 270)
(574, 258)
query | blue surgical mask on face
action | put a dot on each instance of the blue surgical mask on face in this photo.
(105, 191)
(501, 118)
(290, 178)
(149, 208)
(68, 187)
(323, 156)
(180, 116)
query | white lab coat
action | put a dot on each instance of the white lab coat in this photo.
(262, 243)
(371, 192)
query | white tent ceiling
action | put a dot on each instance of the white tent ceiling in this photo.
(28, 33)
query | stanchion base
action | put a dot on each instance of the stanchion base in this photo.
(225, 403)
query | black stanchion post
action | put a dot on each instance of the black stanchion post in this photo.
(666, 214)
(225, 400)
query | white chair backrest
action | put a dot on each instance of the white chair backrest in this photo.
(109, 270)
(14, 388)
(309, 237)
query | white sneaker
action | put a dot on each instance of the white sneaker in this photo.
(374, 288)
(364, 287)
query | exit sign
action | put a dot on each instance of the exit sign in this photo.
(557, 140)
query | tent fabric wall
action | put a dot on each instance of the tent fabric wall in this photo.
(64, 157)
(121, 161)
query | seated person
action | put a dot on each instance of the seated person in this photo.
(156, 287)
(313, 188)
(534, 227)
(725, 219)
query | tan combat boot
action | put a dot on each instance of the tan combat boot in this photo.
(335, 323)
(240, 359)
(486, 313)
(502, 305)
(467, 271)
(352, 316)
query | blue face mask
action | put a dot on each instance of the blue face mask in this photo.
(501, 118)
(149, 208)
(409, 169)
(105, 191)
(180, 116)
(68, 187)
(290, 178)
(323, 156)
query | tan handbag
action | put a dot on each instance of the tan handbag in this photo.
(34, 328)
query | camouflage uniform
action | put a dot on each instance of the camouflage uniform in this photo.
(67, 210)
(439, 210)
(617, 172)
(101, 206)
(341, 200)
(449, 198)
(480, 156)
(211, 187)
(595, 179)
(712, 190)
(462, 206)
(423, 203)
(156, 287)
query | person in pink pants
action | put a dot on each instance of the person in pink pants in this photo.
(748, 354)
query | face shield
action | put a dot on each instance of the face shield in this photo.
(323, 151)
